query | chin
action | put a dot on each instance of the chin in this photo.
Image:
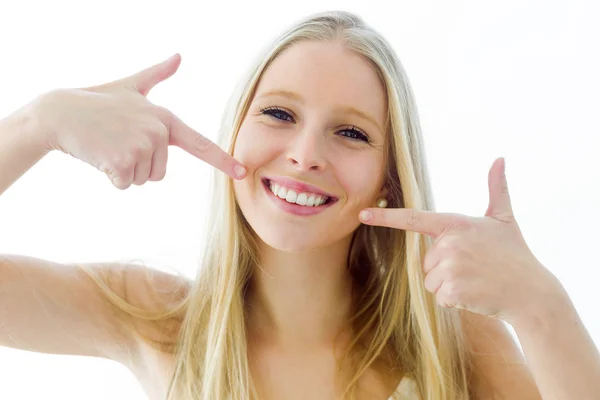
(289, 241)
(286, 232)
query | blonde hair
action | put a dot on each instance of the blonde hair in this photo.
(396, 320)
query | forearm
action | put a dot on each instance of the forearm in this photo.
(21, 144)
(560, 352)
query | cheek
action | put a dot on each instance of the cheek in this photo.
(255, 145)
(360, 177)
(252, 147)
(254, 150)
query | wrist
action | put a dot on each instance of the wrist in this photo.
(35, 125)
(543, 313)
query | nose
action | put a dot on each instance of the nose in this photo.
(306, 152)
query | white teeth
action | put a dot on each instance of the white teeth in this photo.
(291, 196)
(282, 192)
(303, 199)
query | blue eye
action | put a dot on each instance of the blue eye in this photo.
(353, 132)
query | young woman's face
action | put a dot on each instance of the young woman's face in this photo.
(315, 126)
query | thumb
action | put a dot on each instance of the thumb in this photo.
(500, 206)
(146, 79)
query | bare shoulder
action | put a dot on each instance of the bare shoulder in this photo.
(155, 303)
(105, 309)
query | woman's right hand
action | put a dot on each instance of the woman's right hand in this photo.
(114, 128)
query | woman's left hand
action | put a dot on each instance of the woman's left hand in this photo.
(480, 264)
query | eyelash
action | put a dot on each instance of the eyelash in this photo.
(360, 134)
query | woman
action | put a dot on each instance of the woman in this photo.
(296, 296)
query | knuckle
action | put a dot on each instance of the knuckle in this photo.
(463, 222)
(450, 245)
(412, 219)
(161, 111)
(428, 261)
(164, 116)
(161, 132)
(451, 291)
(381, 217)
(116, 171)
(123, 164)
(451, 273)
(202, 143)
(151, 142)
(144, 148)
(429, 283)
(446, 244)
(467, 223)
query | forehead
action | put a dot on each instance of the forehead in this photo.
(326, 75)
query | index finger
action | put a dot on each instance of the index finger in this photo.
(426, 222)
(201, 147)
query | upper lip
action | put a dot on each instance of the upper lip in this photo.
(297, 186)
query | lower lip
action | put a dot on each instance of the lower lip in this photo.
(295, 208)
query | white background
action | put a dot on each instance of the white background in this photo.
(517, 79)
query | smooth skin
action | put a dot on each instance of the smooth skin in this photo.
(53, 308)
(483, 267)
(119, 142)
(297, 126)
(130, 148)
(122, 134)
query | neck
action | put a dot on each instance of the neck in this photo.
(300, 299)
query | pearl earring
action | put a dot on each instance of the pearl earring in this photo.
(382, 202)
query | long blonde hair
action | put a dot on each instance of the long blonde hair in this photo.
(396, 320)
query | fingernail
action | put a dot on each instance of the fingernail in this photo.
(240, 171)
(365, 215)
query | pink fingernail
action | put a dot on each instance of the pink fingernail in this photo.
(365, 215)
(240, 171)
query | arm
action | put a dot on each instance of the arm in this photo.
(499, 370)
(53, 308)
(562, 357)
(44, 306)
(21, 143)
(561, 360)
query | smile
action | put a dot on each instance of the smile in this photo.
(297, 203)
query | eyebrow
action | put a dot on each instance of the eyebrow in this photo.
(345, 109)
